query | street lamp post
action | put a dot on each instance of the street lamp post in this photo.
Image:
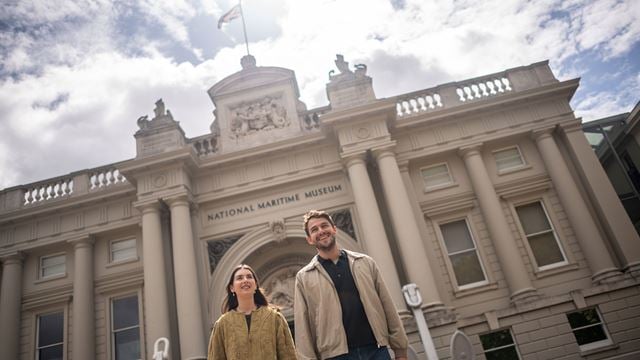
(414, 300)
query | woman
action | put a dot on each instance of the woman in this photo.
(249, 328)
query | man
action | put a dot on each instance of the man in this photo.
(343, 309)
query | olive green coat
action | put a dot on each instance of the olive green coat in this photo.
(268, 339)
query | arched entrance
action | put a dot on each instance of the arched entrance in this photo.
(276, 252)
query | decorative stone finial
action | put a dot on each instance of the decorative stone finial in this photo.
(345, 72)
(247, 62)
(161, 116)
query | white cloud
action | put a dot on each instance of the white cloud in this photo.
(597, 105)
(76, 106)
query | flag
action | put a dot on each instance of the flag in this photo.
(235, 12)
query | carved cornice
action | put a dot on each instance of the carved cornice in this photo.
(123, 279)
(541, 133)
(448, 204)
(353, 158)
(15, 257)
(47, 297)
(183, 198)
(148, 205)
(571, 126)
(523, 186)
(85, 240)
(385, 108)
(469, 150)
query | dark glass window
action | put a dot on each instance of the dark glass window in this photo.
(50, 336)
(539, 232)
(499, 345)
(125, 328)
(588, 329)
(462, 253)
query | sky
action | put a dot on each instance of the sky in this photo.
(76, 75)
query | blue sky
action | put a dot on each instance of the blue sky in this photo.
(75, 75)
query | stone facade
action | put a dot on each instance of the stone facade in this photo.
(484, 193)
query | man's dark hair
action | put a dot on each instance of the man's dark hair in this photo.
(312, 214)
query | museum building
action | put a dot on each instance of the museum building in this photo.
(484, 193)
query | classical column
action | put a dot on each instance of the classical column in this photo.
(588, 235)
(192, 338)
(607, 202)
(372, 228)
(156, 303)
(510, 259)
(10, 304)
(406, 228)
(83, 307)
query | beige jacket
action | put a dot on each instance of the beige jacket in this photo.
(318, 314)
(269, 338)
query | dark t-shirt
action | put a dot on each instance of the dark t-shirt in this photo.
(354, 319)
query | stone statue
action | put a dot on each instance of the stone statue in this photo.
(159, 110)
(143, 122)
(345, 72)
(361, 70)
(342, 65)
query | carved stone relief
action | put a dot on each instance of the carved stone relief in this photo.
(344, 222)
(217, 249)
(278, 229)
(261, 115)
(280, 286)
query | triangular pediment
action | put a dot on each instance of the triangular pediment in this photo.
(256, 106)
(252, 78)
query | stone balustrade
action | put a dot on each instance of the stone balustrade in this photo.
(311, 119)
(105, 176)
(435, 99)
(417, 102)
(459, 93)
(60, 188)
(483, 88)
(48, 190)
(205, 145)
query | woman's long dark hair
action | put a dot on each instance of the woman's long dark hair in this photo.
(231, 301)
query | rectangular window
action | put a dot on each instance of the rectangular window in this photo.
(123, 250)
(50, 333)
(436, 176)
(499, 345)
(52, 265)
(508, 159)
(588, 329)
(462, 253)
(540, 235)
(125, 328)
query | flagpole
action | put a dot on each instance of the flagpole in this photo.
(244, 27)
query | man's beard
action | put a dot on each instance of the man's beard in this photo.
(329, 246)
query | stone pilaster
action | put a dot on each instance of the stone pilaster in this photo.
(156, 304)
(84, 336)
(587, 233)
(10, 304)
(406, 229)
(510, 259)
(192, 338)
(372, 227)
(607, 203)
